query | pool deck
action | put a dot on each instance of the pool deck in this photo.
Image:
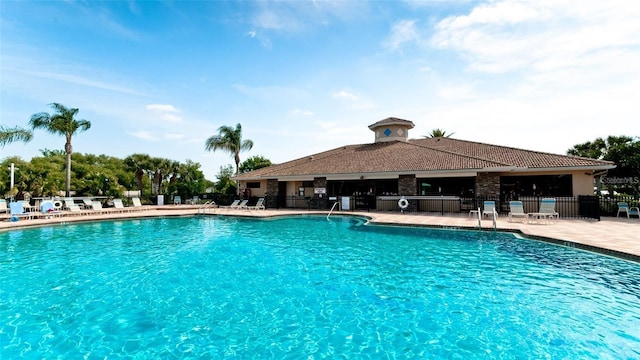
(613, 236)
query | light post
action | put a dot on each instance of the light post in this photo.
(13, 169)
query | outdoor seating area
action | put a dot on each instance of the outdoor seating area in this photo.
(624, 208)
(50, 208)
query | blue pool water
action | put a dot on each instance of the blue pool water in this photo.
(305, 287)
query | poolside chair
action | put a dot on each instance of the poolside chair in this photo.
(119, 206)
(96, 206)
(87, 203)
(3, 206)
(48, 210)
(17, 211)
(136, 202)
(258, 206)
(623, 207)
(234, 204)
(242, 205)
(516, 210)
(177, 200)
(546, 212)
(489, 207)
(67, 203)
(74, 209)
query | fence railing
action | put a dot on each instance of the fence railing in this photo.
(579, 207)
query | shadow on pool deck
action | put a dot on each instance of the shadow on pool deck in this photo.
(614, 236)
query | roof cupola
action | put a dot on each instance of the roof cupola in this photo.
(391, 129)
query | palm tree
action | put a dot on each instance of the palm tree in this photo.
(62, 123)
(229, 139)
(9, 135)
(435, 133)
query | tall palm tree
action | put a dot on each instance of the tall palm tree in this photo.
(62, 123)
(9, 135)
(230, 140)
(435, 133)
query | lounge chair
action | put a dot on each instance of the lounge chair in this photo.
(258, 206)
(242, 205)
(87, 203)
(177, 200)
(48, 210)
(119, 206)
(516, 210)
(17, 211)
(136, 202)
(3, 206)
(234, 204)
(489, 207)
(96, 206)
(623, 207)
(74, 209)
(546, 212)
(67, 203)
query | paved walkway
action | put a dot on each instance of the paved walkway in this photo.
(615, 236)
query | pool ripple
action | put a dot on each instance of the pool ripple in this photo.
(223, 287)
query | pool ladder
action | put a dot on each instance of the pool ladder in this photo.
(202, 209)
(494, 215)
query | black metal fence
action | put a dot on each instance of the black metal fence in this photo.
(576, 207)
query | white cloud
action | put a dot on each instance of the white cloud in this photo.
(162, 107)
(506, 36)
(342, 94)
(165, 112)
(402, 33)
(144, 135)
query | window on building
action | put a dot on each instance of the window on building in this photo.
(253, 185)
(541, 185)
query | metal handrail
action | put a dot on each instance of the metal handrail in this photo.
(495, 219)
(205, 206)
(333, 207)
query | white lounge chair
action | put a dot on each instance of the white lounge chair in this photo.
(48, 210)
(67, 203)
(623, 207)
(242, 205)
(3, 206)
(516, 210)
(489, 207)
(234, 204)
(87, 203)
(258, 206)
(546, 212)
(96, 206)
(136, 202)
(17, 211)
(74, 209)
(119, 206)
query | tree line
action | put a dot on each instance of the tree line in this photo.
(104, 175)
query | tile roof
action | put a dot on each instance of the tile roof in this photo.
(422, 155)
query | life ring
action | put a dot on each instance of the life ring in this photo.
(403, 203)
(57, 204)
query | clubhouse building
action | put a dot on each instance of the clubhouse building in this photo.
(378, 174)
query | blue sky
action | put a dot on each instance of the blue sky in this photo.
(159, 78)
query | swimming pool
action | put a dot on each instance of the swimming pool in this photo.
(306, 287)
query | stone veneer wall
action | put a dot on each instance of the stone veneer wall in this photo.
(487, 184)
(407, 185)
(272, 193)
(320, 183)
